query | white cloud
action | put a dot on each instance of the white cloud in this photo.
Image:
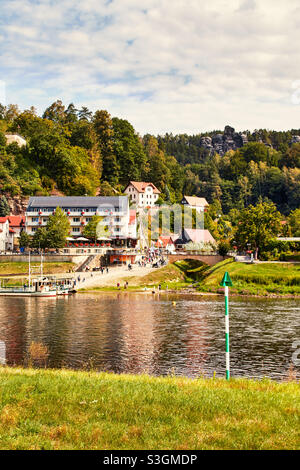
(165, 66)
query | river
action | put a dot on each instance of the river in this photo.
(155, 334)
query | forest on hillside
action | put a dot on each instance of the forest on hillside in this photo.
(78, 152)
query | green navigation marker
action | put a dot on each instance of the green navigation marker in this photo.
(227, 282)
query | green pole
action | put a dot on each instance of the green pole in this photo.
(226, 282)
(227, 334)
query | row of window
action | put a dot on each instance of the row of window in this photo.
(74, 209)
(74, 229)
(133, 196)
(74, 219)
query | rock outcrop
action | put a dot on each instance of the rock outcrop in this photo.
(222, 143)
(17, 204)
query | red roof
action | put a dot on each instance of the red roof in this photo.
(14, 220)
(132, 217)
(164, 241)
(141, 186)
(11, 230)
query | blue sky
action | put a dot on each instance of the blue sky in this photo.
(166, 66)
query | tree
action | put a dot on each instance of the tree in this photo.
(24, 240)
(104, 129)
(56, 112)
(84, 114)
(93, 229)
(257, 226)
(294, 222)
(223, 248)
(254, 151)
(4, 207)
(107, 190)
(57, 229)
(39, 239)
(128, 150)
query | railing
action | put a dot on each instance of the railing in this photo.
(85, 263)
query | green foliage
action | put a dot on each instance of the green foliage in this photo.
(78, 152)
(223, 248)
(57, 229)
(24, 240)
(54, 234)
(40, 239)
(4, 207)
(257, 226)
(91, 230)
(294, 222)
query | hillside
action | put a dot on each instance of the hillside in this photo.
(78, 152)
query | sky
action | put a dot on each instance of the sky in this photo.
(180, 66)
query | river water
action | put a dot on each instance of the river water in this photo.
(156, 334)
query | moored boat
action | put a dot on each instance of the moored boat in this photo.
(40, 286)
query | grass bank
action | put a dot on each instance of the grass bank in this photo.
(266, 279)
(46, 409)
(19, 268)
(169, 276)
(254, 279)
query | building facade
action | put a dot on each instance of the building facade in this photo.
(15, 138)
(198, 203)
(142, 194)
(79, 210)
(6, 239)
(194, 236)
(9, 237)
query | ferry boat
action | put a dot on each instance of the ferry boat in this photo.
(36, 289)
(40, 286)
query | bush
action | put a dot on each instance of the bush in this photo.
(223, 248)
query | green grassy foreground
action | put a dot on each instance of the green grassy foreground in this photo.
(47, 409)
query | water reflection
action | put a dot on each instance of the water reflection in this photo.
(138, 333)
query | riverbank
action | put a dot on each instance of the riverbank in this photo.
(265, 279)
(190, 276)
(61, 409)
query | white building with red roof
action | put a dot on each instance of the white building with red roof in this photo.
(142, 194)
(166, 242)
(5, 236)
(10, 228)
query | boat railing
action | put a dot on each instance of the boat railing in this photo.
(15, 289)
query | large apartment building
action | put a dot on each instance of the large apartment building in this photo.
(80, 210)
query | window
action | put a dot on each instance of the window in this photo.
(76, 219)
(35, 219)
(33, 229)
(88, 219)
(76, 229)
